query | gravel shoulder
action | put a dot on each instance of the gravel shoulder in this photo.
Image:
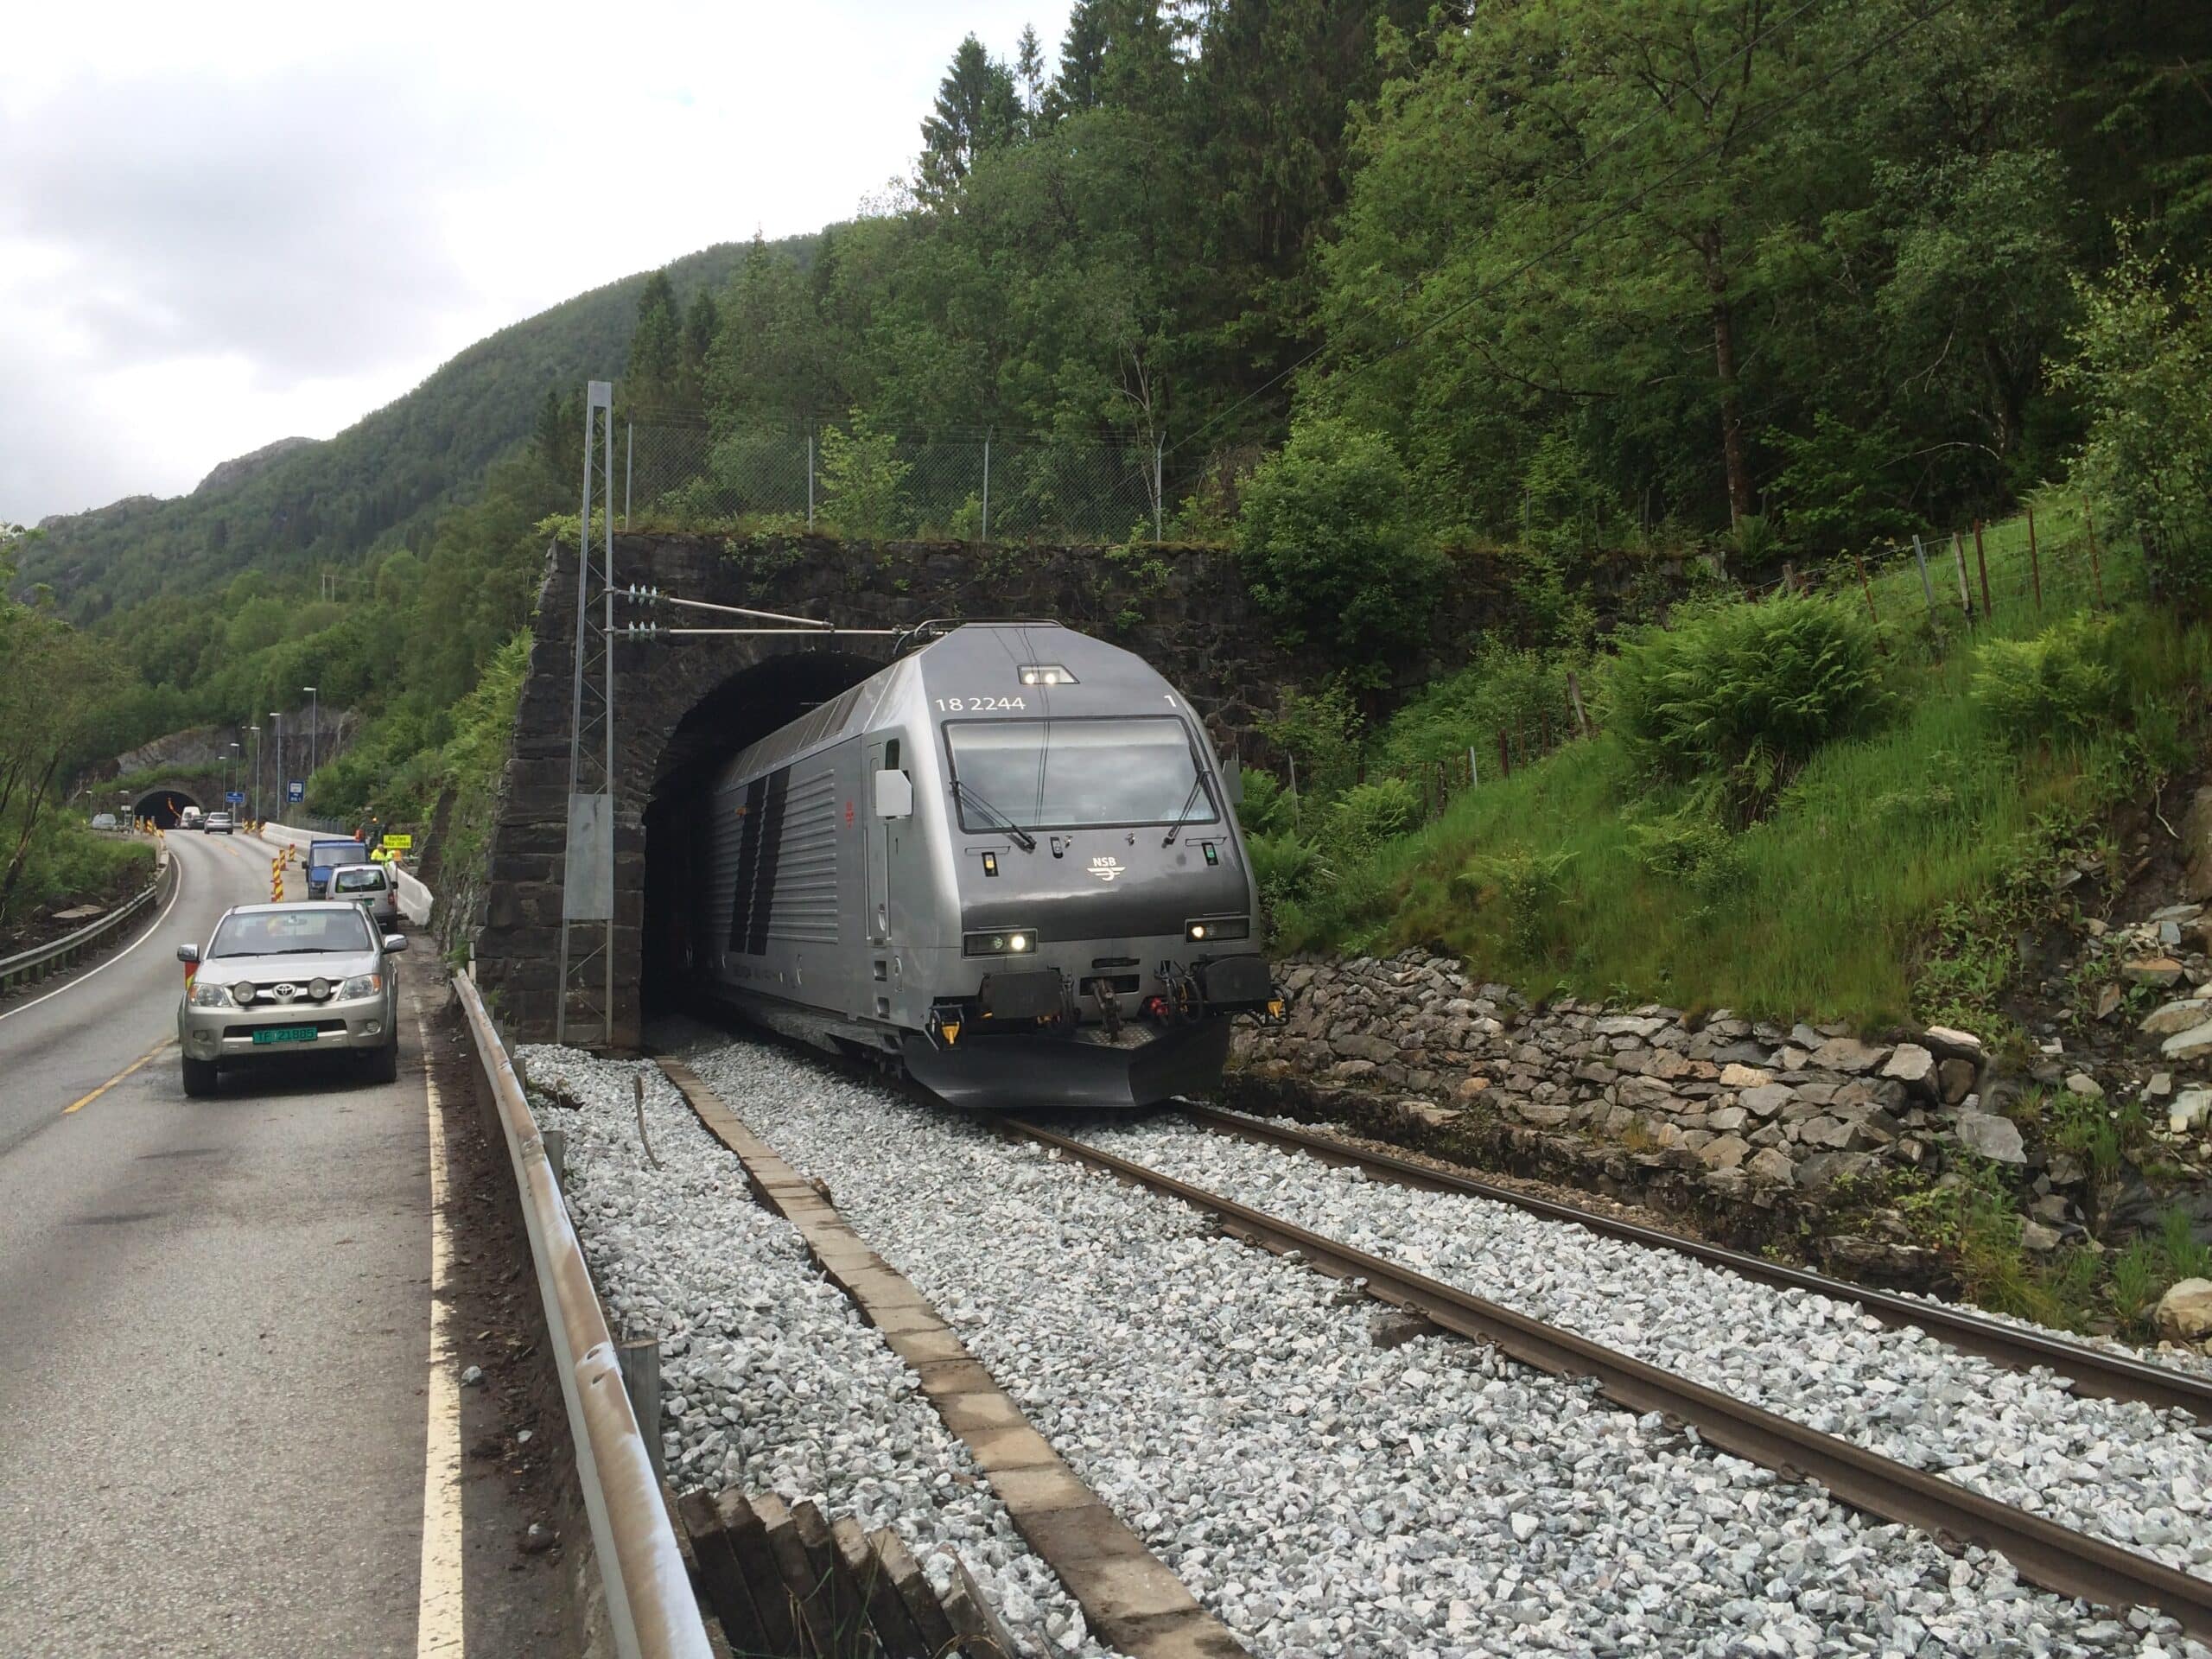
(770, 1381)
(1325, 1494)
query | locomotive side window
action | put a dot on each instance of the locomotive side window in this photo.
(1077, 774)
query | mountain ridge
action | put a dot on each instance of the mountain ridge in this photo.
(298, 505)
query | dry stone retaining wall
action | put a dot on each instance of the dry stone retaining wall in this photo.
(1641, 1100)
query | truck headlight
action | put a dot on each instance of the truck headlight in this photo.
(360, 985)
(205, 996)
(999, 942)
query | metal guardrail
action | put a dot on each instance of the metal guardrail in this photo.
(41, 960)
(649, 1599)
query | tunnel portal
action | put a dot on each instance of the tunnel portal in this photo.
(163, 806)
(745, 708)
(686, 702)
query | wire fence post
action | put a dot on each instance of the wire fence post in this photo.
(1159, 502)
(2035, 560)
(1981, 562)
(1293, 760)
(2096, 569)
(629, 464)
(810, 480)
(1925, 586)
(1866, 586)
(1959, 556)
(1575, 697)
(986, 486)
(1474, 774)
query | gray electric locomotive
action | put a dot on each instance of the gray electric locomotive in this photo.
(1008, 861)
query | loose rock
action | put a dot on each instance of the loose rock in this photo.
(1991, 1136)
(2184, 1313)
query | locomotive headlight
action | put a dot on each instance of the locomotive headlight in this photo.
(1219, 927)
(999, 942)
(1017, 941)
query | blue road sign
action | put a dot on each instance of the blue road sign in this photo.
(235, 797)
(295, 790)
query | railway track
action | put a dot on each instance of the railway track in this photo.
(2055, 1557)
(2091, 1372)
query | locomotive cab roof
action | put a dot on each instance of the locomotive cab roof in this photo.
(1040, 661)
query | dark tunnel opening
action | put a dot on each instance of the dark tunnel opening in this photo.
(743, 709)
(163, 806)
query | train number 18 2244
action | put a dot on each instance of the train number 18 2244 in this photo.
(981, 705)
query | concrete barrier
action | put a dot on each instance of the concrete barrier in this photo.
(414, 899)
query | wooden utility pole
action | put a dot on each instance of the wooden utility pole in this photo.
(1982, 564)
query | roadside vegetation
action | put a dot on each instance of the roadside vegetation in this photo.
(59, 689)
(69, 865)
(1842, 797)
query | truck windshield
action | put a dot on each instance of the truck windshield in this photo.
(1077, 774)
(317, 931)
(324, 854)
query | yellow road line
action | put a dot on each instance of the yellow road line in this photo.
(439, 1629)
(145, 1059)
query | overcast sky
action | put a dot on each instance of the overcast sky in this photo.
(224, 225)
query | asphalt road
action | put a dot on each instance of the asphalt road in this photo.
(214, 1325)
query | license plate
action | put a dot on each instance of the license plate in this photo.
(284, 1034)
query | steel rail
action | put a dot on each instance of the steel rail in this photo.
(36, 962)
(649, 1599)
(2088, 1370)
(2055, 1557)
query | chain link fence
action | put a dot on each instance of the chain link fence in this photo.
(878, 483)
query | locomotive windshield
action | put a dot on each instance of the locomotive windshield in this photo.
(1077, 774)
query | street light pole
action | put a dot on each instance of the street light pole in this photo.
(235, 752)
(256, 772)
(314, 729)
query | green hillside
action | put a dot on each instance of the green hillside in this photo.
(384, 478)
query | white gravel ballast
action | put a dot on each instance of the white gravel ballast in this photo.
(1326, 1495)
(770, 1379)
(2120, 1470)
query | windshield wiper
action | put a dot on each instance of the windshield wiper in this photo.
(1022, 838)
(1182, 812)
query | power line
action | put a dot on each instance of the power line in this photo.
(1577, 232)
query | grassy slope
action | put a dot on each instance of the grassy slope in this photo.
(1827, 906)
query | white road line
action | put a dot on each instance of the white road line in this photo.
(118, 956)
(438, 1628)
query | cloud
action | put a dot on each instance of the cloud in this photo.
(266, 220)
(220, 227)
